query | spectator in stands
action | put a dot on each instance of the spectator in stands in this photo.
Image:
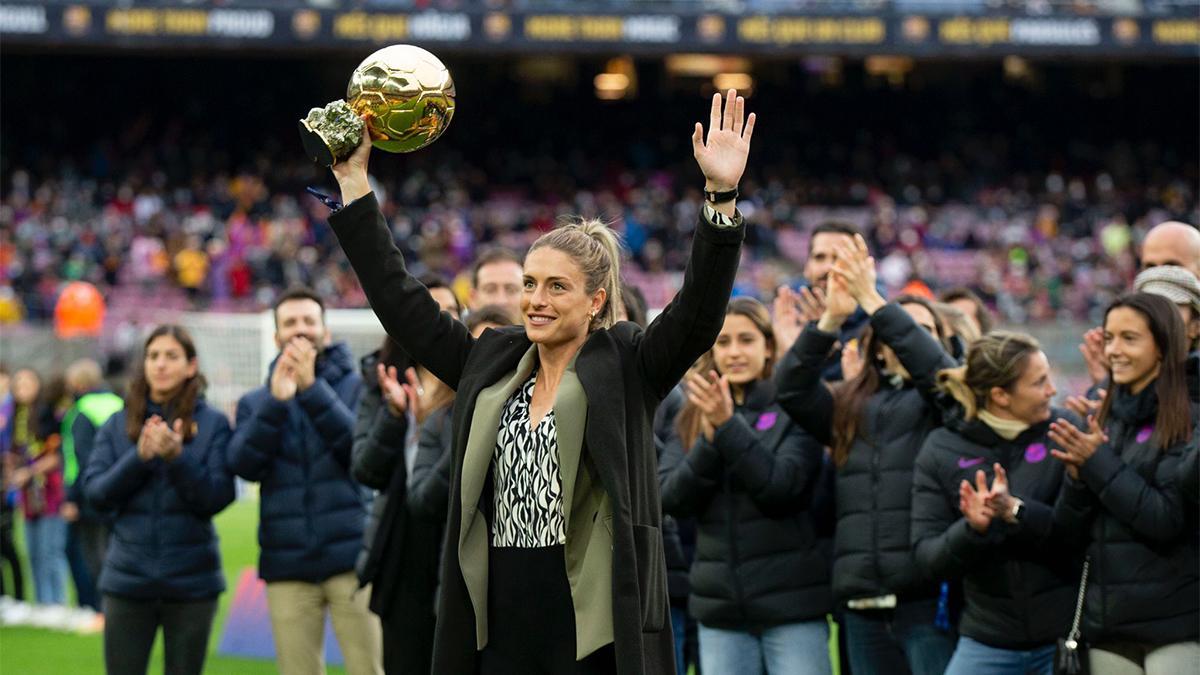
(294, 437)
(93, 405)
(160, 466)
(400, 554)
(1123, 498)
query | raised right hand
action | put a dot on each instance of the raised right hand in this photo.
(351, 173)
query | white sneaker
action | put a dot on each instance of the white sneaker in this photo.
(17, 614)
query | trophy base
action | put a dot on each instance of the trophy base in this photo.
(315, 147)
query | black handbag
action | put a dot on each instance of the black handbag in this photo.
(1071, 658)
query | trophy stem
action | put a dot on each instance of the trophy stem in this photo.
(315, 145)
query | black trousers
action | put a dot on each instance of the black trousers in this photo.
(531, 621)
(8, 552)
(131, 625)
(408, 644)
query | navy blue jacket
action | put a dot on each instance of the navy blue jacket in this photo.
(163, 544)
(311, 512)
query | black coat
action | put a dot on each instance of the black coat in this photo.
(1019, 581)
(163, 545)
(1144, 576)
(400, 552)
(624, 371)
(872, 550)
(758, 560)
(311, 511)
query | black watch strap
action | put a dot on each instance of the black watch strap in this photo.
(720, 197)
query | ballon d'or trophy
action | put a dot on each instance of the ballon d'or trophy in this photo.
(404, 93)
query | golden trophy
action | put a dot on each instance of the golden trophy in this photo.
(404, 93)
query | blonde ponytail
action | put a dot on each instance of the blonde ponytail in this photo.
(953, 381)
(596, 248)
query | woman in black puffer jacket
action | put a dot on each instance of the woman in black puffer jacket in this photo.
(159, 466)
(1019, 573)
(1142, 607)
(875, 422)
(760, 578)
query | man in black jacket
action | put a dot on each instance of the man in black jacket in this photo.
(293, 436)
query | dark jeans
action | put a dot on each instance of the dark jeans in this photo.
(8, 551)
(85, 583)
(900, 640)
(131, 625)
(93, 541)
(531, 621)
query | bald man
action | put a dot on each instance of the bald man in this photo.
(1172, 243)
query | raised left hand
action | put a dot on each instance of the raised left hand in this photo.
(722, 157)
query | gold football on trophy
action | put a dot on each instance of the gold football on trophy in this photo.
(406, 94)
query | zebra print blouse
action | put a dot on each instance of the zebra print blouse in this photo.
(527, 484)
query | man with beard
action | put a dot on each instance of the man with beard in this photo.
(794, 308)
(293, 436)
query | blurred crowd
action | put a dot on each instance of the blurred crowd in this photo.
(1030, 7)
(1037, 223)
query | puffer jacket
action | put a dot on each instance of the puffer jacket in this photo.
(163, 545)
(1141, 531)
(872, 551)
(759, 561)
(312, 512)
(1019, 580)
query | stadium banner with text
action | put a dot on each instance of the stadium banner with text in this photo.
(651, 33)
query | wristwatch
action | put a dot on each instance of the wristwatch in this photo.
(1018, 510)
(714, 197)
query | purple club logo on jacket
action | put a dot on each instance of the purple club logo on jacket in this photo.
(766, 421)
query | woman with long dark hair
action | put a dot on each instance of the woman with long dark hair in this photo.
(554, 556)
(1142, 605)
(875, 422)
(159, 466)
(759, 584)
